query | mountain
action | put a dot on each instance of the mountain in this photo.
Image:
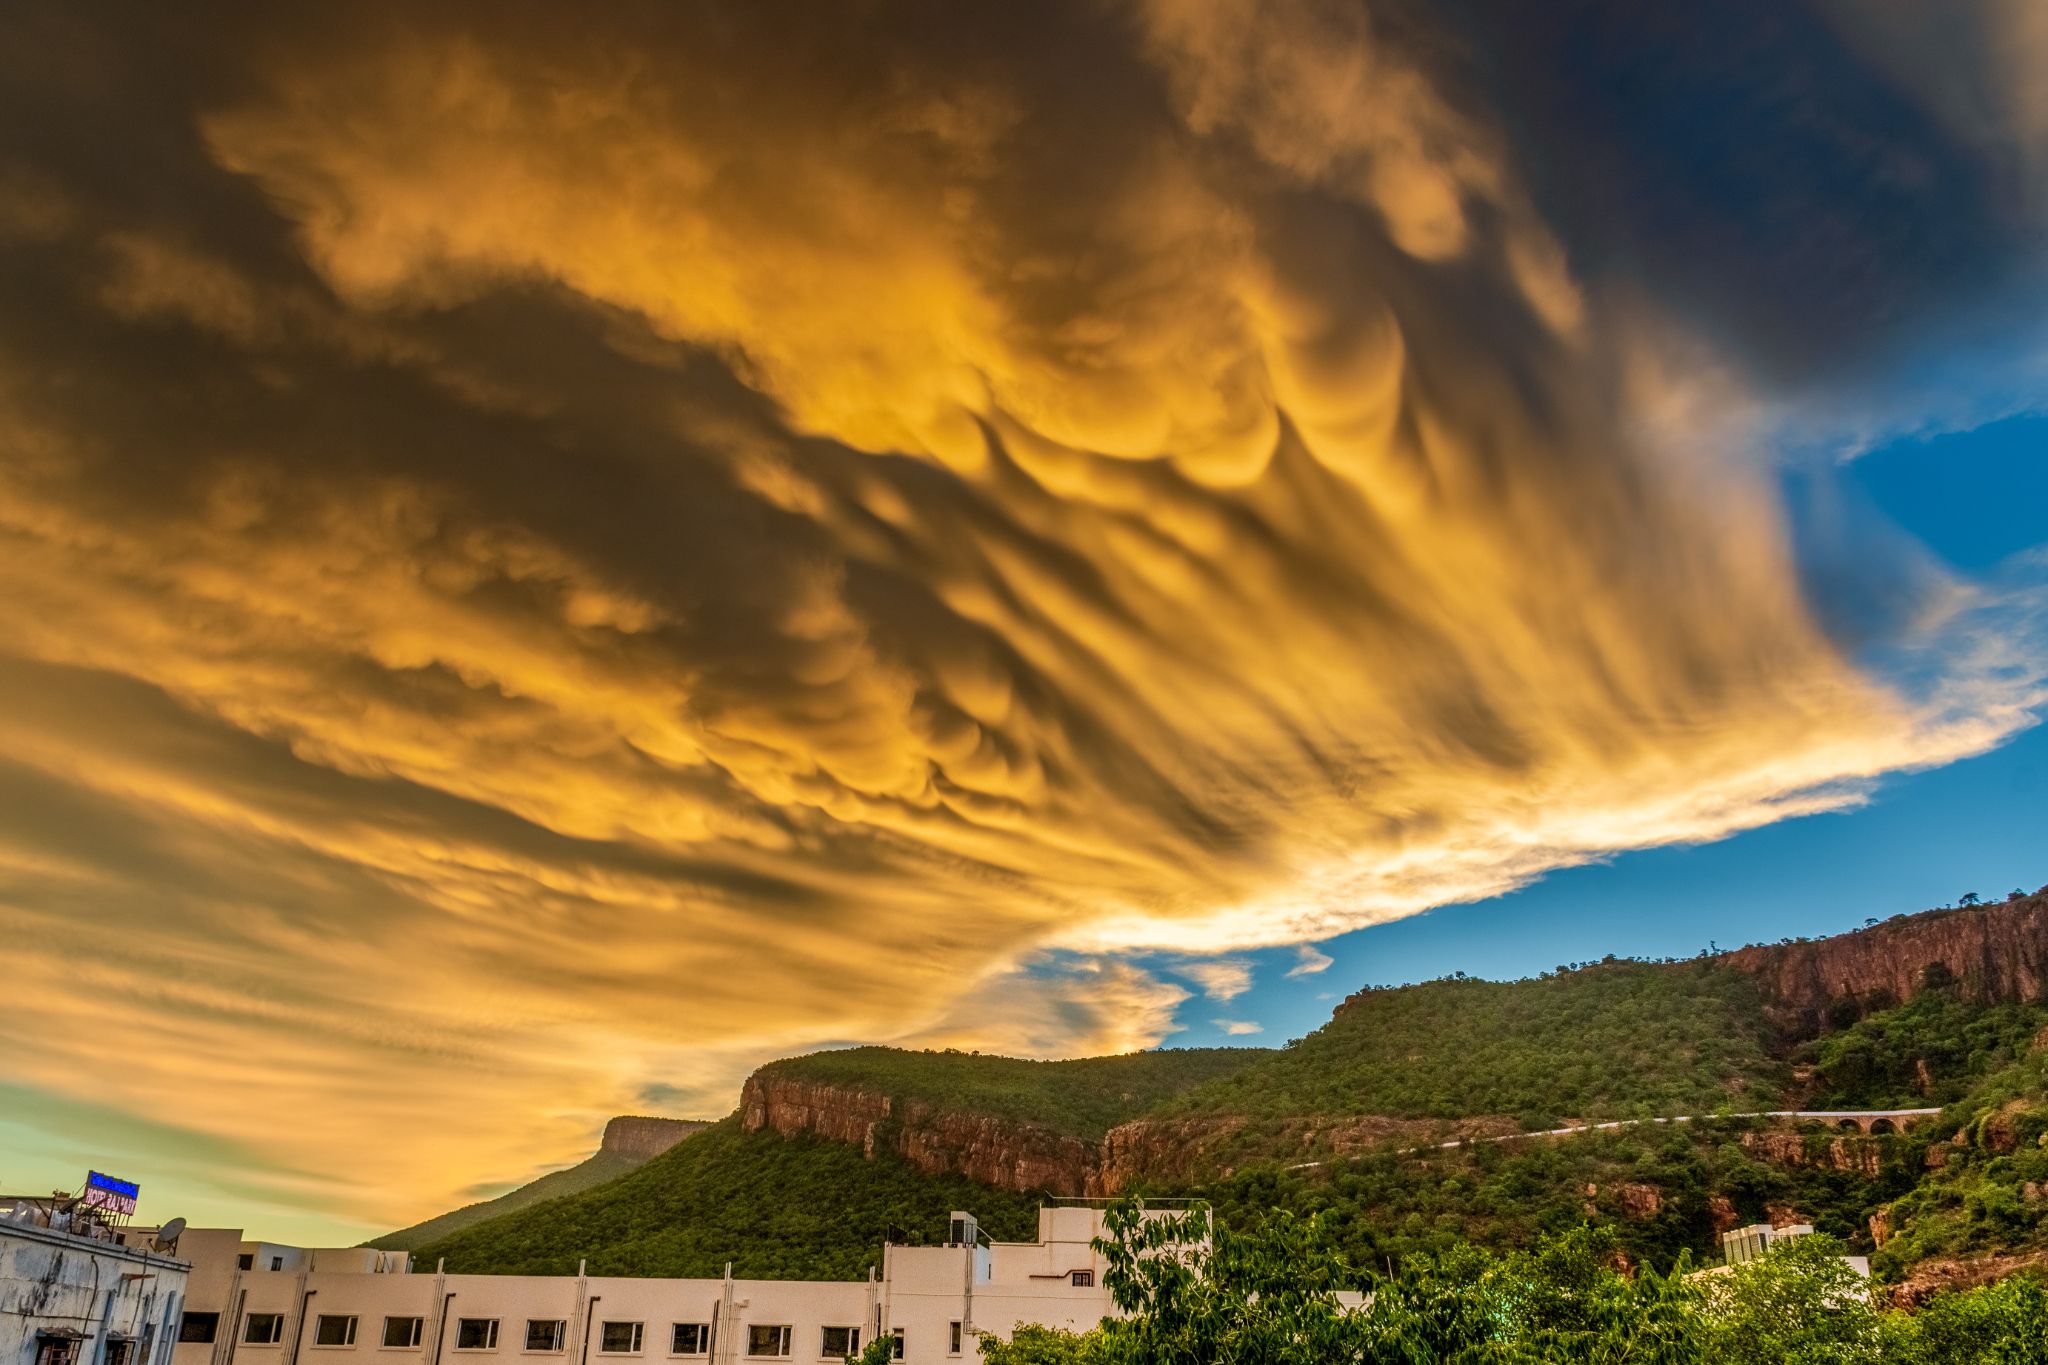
(1943, 1008)
(629, 1142)
(804, 1208)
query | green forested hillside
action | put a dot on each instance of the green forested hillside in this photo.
(1613, 1040)
(776, 1208)
(587, 1174)
(1084, 1098)
(1654, 1185)
(1929, 1051)
(1983, 1183)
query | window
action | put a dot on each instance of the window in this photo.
(476, 1334)
(334, 1329)
(690, 1339)
(897, 1332)
(767, 1341)
(1083, 1279)
(263, 1329)
(401, 1333)
(620, 1338)
(277, 1263)
(198, 1326)
(545, 1334)
(118, 1352)
(839, 1343)
(953, 1339)
(246, 1261)
(57, 1351)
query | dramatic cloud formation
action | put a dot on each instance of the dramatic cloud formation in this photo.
(548, 557)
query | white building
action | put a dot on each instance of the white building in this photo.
(1741, 1245)
(255, 1303)
(77, 1296)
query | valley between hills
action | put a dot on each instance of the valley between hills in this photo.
(828, 1154)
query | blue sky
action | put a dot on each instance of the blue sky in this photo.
(1975, 499)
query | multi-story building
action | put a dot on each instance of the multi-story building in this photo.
(75, 1291)
(255, 1303)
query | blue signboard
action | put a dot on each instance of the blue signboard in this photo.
(110, 1193)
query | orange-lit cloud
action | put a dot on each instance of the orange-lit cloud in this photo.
(546, 563)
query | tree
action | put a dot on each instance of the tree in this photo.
(2000, 1324)
(1799, 1304)
(1041, 1346)
(1192, 1292)
(880, 1351)
(1969, 898)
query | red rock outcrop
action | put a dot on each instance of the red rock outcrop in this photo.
(1789, 1147)
(1634, 1199)
(1018, 1156)
(1998, 1132)
(1932, 1277)
(840, 1113)
(1027, 1157)
(1169, 1150)
(1996, 952)
(643, 1138)
(1640, 1200)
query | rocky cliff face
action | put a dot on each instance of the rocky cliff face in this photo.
(644, 1138)
(1995, 952)
(1022, 1156)
(1789, 1147)
(1018, 1156)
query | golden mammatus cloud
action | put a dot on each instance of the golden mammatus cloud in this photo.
(602, 555)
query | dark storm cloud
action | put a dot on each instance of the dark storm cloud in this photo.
(556, 554)
(1748, 163)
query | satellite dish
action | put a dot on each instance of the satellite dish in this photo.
(169, 1233)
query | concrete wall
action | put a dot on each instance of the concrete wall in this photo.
(53, 1284)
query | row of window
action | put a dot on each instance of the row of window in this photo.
(764, 1340)
(64, 1350)
(267, 1329)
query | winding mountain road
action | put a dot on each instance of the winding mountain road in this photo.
(1861, 1118)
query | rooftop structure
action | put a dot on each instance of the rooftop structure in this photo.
(76, 1291)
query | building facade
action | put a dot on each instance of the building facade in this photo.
(253, 1303)
(77, 1298)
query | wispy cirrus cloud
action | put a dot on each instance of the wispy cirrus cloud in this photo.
(1310, 961)
(1224, 978)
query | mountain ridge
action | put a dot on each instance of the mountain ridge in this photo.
(1919, 1007)
(1799, 990)
(629, 1142)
